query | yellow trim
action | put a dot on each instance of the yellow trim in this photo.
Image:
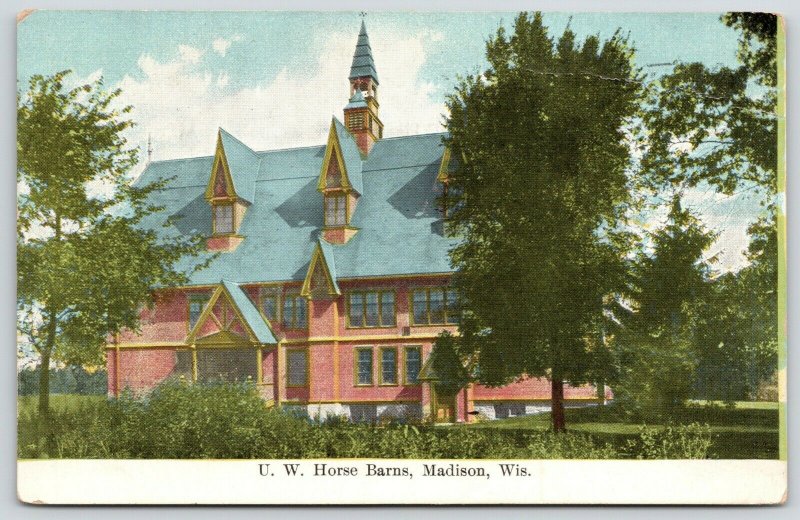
(336, 193)
(204, 315)
(333, 147)
(205, 296)
(381, 350)
(260, 367)
(537, 400)
(352, 401)
(406, 348)
(317, 256)
(219, 156)
(166, 344)
(370, 338)
(194, 363)
(294, 295)
(442, 175)
(280, 374)
(363, 292)
(336, 381)
(307, 383)
(372, 366)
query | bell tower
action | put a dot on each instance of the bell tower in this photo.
(361, 113)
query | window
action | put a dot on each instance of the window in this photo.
(269, 305)
(295, 314)
(435, 306)
(196, 304)
(223, 218)
(336, 210)
(363, 366)
(388, 366)
(227, 365)
(296, 367)
(413, 359)
(371, 309)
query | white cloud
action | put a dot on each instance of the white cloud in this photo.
(189, 53)
(221, 45)
(181, 104)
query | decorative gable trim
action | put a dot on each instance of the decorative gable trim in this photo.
(224, 334)
(220, 165)
(333, 152)
(323, 261)
(444, 166)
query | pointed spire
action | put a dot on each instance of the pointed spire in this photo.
(363, 65)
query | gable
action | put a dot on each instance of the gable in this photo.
(320, 278)
(220, 184)
(342, 158)
(227, 319)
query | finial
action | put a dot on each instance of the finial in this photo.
(149, 148)
(362, 14)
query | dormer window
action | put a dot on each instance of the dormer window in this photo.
(335, 209)
(223, 219)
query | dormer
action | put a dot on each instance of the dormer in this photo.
(320, 280)
(340, 183)
(446, 167)
(230, 190)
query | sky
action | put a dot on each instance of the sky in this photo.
(274, 79)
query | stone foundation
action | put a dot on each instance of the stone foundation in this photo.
(358, 412)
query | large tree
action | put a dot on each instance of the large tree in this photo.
(538, 195)
(85, 264)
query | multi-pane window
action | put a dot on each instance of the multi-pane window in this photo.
(336, 210)
(296, 368)
(363, 366)
(295, 315)
(435, 306)
(388, 366)
(371, 309)
(269, 305)
(413, 360)
(196, 304)
(223, 218)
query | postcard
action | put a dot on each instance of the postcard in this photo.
(401, 258)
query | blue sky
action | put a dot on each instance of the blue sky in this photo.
(274, 79)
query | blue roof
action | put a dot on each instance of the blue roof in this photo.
(351, 155)
(250, 313)
(363, 65)
(357, 100)
(243, 163)
(330, 262)
(400, 227)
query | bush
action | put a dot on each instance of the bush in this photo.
(672, 442)
(189, 421)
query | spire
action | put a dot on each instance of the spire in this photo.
(363, 65)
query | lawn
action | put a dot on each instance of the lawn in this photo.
(747, 430)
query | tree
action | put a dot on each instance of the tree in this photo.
(719, 127)
(655, 336)
(85, 265)
(537, 196)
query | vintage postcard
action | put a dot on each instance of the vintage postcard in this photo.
(398, 258)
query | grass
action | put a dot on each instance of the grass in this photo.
(58, 402)
(748, 430)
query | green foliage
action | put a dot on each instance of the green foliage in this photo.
(449, 369)
(654, 343)
(691, 441)
(67, 380)
(537, 196)
(85, 263)
(180, 420)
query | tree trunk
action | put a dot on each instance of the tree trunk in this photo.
(557, 405)
(44, 368)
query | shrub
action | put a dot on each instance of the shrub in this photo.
(672, 442)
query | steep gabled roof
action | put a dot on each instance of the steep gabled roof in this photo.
(342, 147)
(400, 226)
(241, 165)
(322, 258)
(363, 65)
(255, 322)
